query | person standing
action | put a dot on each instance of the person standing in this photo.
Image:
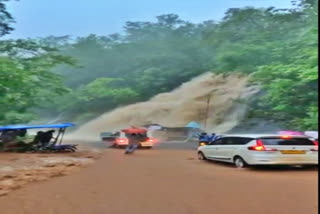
(204, 139)
(133, 143)
(213, 137)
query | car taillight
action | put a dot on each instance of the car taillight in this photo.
(122, 140)
(260, 147)
(152, 140)
(316, 144)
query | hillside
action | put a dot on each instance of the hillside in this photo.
(227, 107)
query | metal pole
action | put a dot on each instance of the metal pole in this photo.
(207, 111)
(57, 137)
(63, 131)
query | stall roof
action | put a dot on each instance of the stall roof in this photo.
(193, 124)
(12, 127)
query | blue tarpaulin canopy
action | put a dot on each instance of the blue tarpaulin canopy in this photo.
(47, 126)
(193, 125)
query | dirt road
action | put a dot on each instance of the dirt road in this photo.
(162, 181)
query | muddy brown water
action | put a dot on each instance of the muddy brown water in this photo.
(177, 108)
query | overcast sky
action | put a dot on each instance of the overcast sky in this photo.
(38, 18)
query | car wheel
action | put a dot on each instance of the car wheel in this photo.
(239, 162)
(201, 156)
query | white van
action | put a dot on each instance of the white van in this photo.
(243, 150)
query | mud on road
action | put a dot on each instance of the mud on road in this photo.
(166, 181)
(20, 169)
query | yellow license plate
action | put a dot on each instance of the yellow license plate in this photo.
(293, 152)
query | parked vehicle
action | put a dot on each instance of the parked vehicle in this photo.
(120, 139)
(261, 149)
(109, 136)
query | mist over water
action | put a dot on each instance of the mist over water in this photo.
(187, 103)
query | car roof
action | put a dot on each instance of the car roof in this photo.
(261, 135)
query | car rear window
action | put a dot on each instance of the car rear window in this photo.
(287, 142)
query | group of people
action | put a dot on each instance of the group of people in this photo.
(204, 137)
(12, 140)
(15, 140)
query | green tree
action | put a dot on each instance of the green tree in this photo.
(26, 81)
(292, 85)
(6, 19)
(279, 46)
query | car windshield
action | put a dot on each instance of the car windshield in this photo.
(287, 142)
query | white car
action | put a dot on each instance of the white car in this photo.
(243, 150)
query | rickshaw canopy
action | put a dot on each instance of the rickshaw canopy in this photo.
(47, 126)
(135, 130)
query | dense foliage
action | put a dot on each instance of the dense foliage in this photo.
(278, 46)
(281, 48)
(26, 80)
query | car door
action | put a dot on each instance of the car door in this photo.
(232, 146)
(226, 148)
(212, 149)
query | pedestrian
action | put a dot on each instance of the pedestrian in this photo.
(133, 143)
(46, 137)
(213, 137)
(203, 137)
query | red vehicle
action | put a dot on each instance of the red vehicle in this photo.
(120, 140)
